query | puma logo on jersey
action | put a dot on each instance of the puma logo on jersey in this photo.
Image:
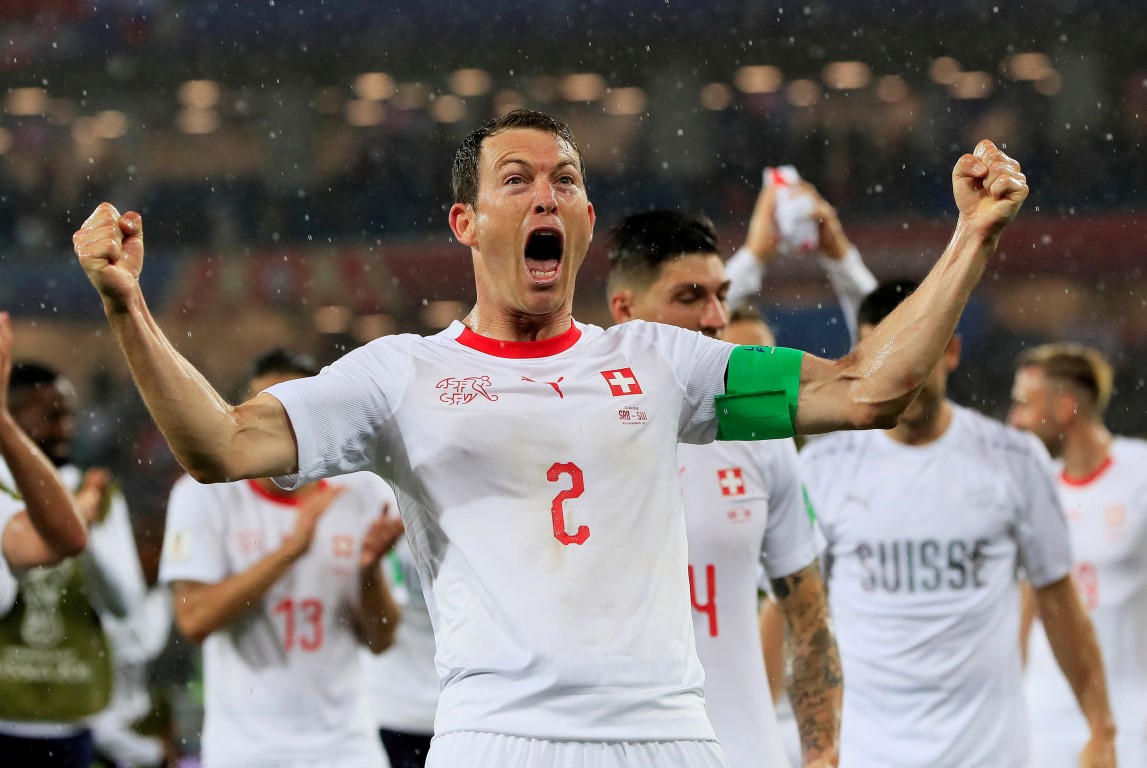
(553, 384)
(463, 391)
(622, 382)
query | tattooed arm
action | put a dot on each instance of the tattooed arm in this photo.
(816, 684)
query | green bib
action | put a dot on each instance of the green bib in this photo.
(55, 664)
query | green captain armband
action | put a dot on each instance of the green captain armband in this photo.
(761, 388)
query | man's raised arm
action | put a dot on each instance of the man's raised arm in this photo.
(873, 384)
(213, 440)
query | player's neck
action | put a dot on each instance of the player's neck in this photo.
(1085, 449)
(506, 325)
(924, 429)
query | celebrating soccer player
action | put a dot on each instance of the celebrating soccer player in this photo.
(535, 457)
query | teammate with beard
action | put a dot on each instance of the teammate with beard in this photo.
(927, 524)
(55, 661)
(1060, 394)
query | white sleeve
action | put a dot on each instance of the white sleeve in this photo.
(746, 273)
(8, 583)
(111, 562)
(792, 539)
(1041, 528)
(851, 282)
(193, 545)
(343, 418)
(10, 506)
(699, 364)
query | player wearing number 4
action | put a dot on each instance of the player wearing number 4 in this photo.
(744, 509)
(281, 587)
(1060, 393)
(927, 525)
(535, 457)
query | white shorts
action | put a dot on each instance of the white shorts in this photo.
(475, 749)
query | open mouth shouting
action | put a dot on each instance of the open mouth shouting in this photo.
(544, 255)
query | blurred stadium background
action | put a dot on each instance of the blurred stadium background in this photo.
(291, 160)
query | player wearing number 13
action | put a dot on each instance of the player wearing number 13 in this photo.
(281, 588)
(535, 458)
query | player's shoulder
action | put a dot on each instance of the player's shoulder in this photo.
(365, 487)
(384, 347)
(995, 437)
(648, 331)
(1131, 449)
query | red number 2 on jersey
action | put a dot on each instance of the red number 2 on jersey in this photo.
(310, 611)
(576, 489)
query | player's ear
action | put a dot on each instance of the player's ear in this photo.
(1066, 407)
(621, 305)
(463, 223)
(952, 352)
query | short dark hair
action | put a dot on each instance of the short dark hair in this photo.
(886, 297)
(464, 174)
(282, 360)
(27, 374)
(1084, 367)
(643, 242)
(744, 313)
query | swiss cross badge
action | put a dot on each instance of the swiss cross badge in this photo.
(732, 481)
(622, 382)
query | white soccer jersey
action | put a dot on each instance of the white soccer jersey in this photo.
(1107, 518)
(282, 683)
(538, 483)
(744, 510)
(403, 682)
(923, 547)
(8, 584)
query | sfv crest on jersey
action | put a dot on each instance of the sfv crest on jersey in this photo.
(732, 482)
(462, 391)
(622, 382)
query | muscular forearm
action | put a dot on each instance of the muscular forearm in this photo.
(815, 684)
(50, 508)
(874, 383)
(1076, 648)
(773, 642)
(378, 614)
(201, 609)
(211, 439)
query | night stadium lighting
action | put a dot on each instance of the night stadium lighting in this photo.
(374, 86)
(758, 79)
(716, 96)
(846, 75)
(625, 101)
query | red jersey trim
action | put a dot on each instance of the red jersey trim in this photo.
(1081, 481)
(520, 350)
(290, 501)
